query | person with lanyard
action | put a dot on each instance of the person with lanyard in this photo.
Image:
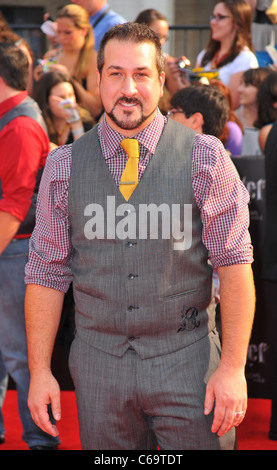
(102, 18)
(145, 359)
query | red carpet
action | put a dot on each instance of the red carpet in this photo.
(68, 426)
(252, 434)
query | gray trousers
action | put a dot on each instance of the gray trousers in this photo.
(126, 403)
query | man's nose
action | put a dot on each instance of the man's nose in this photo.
(129, 86)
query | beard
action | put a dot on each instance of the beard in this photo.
(127, 122)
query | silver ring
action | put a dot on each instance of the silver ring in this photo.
(239, 413)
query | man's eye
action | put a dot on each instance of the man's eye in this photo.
(141, 75)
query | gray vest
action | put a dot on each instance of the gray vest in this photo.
(135, 283)
(29, 108)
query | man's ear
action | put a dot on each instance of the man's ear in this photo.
(98, 80)
(197, 121)
(162, 81)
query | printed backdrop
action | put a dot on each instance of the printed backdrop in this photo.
(259, 368)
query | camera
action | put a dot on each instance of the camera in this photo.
(182, 64)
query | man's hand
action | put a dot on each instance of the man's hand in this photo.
(43, 308)
(226, 390)
(44, 390)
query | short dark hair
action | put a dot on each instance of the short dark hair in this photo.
(256, 76)
(44, 86)
(207, 100)
(14, 66)
(266, 98)
(149, 16)
(131, 32)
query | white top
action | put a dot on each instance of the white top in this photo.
(250, 142)
(245, 60)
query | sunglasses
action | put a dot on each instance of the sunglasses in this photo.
(218, 17)
(175, 111)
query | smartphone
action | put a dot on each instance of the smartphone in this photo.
(71, 110)
(46, 63)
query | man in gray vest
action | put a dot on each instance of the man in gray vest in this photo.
(137, 213)
(24, 146)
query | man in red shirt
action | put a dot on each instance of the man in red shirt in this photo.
(24, 146)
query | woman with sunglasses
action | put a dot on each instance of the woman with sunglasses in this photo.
(230, 49)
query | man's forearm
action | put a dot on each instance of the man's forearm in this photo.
(43, 308)
(42, 312)
(237, 307)
(226, 390)
(9, 226)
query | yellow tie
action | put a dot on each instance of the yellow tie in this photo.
(129, 178)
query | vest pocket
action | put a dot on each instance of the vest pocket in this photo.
(179, 294)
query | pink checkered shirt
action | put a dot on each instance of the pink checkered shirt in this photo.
(219, 193)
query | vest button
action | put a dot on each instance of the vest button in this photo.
(131, 308)
(132, 276)
(130, 244)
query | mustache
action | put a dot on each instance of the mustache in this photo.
(126, 100)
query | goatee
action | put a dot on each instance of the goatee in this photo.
(128, 123)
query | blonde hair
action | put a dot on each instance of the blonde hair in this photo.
(80, 18)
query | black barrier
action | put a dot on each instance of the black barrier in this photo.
(258, 367)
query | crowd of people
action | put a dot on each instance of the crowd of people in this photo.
(81, 97)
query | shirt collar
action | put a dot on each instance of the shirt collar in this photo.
(148, 137)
